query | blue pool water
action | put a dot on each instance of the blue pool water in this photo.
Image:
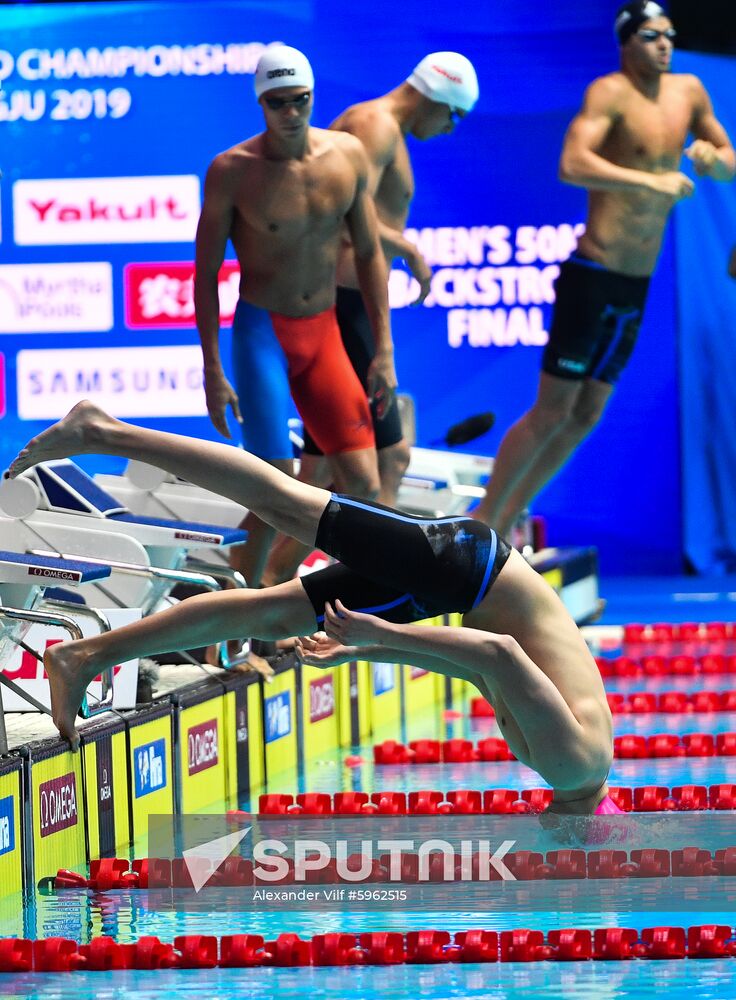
(125, 917)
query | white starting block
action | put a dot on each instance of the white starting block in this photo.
(56, 509)
(148, 491)
(441, 483)
(23, 619)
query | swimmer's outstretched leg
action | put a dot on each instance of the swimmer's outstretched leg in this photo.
(288, 505)
(198, 621)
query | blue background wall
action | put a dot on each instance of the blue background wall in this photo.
(622, 491)
(705, 236)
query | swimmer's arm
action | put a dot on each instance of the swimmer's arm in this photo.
(712, 153)
(580, 163)
(321, 651)
(213, 231)
(472, 650)
(370, 268)
(379, 135)
(538, 707)
(369, 263)
(465, 651)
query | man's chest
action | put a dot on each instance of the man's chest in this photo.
(652, 133)
(289, 199)
(396, 188)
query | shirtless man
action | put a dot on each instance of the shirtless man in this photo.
(521, 649)
(441, 91)
(283, 198)
(624, 147)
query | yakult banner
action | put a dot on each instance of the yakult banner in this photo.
(106, 210)
(136, 99)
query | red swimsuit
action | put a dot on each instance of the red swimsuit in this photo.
(324, 386)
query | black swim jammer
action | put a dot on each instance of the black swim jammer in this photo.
(596, 321)
(400, 567)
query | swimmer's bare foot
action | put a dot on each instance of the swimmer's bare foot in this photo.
(69, 674)
(244, 663)
(75, 434)
(254, 663)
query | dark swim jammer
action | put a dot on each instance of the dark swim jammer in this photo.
(400, 567)
(596, 321)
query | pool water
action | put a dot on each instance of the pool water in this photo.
(124, 915)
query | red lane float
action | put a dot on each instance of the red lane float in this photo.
(642, 702)
(493, 801)
(628, 747)
(419, 947)
(526, 866)
(658, 665)
(660, 633)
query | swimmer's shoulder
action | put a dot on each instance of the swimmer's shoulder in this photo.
(228, 172)
(238, 158)
(366, 115)
(687, 84)
(371, 122)
(607, 94)
(344, 144)
(336, 139)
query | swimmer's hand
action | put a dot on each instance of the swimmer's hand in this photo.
(352, 628)
(219, 395)
(382, 381)
(704, 156)
(673, 184)
(423, 273)
(319, 650)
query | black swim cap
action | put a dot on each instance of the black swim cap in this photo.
(632, 15)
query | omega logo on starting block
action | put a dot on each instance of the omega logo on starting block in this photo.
(57, 804)
(321, 698)
(202, 744)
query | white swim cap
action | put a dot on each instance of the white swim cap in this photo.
(446, 77)
(282, 66)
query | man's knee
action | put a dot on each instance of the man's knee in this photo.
(360, 480)
(367, 486)
(588, 410)
(393, 462)
(547, 418)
